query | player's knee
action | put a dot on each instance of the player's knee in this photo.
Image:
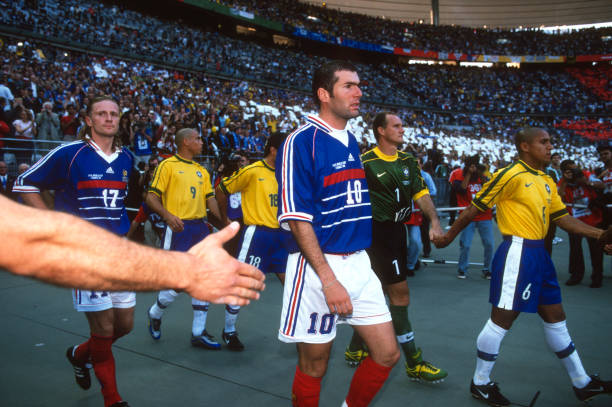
(552, 314)
(503, 318)
(315, 367)
(101, 329)
(122, 330)
(123, 327)
(390, 357)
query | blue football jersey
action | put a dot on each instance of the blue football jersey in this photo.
(87, 183)
(321, 180)
(142, 146)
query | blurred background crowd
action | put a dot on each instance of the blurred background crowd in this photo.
(237, 90)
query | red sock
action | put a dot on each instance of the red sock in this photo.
(306, 390)
(367, 380)
(104, 367)
(82, 352)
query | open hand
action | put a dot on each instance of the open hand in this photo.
(222, 279)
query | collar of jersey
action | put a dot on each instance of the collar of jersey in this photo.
(323, 125)
(265, 164)
(528, 168)
(107, 157)
(178, 157)
(384, 156)
(340, 135)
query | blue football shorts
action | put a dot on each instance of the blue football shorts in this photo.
(264, 248)
(194, 230)
(523, 276)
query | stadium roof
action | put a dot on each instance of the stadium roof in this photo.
(478, 13)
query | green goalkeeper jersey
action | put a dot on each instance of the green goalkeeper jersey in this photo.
(394, 183)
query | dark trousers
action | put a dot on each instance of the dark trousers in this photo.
(425, 237)
(452, 201)
(576, 259)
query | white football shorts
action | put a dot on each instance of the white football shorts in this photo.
(94, 301)
(306, 316)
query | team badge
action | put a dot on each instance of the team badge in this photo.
(406, 171)
(547, 188)
(125, 175)
(199, 174)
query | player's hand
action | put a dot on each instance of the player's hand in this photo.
(605, 239)
(337, 298)
(221, 279)
(442, 241)
(175, 223)
(435, 232)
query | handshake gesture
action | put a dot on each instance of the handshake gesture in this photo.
(440, 240)
(606, 240)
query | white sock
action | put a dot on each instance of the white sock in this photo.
(231, 316)
(164, 298)
(487, 345)
(200, 311)
(559, 341)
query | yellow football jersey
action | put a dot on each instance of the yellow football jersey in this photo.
(526, 199)
(184, 186)
(259, 189)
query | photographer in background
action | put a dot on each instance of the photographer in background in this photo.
(142, 143)
(577, 187)
(48, 124)
(466, 183)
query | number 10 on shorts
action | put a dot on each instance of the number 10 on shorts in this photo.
(327, 323)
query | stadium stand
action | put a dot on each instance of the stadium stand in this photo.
(237, 91)
(377, 30)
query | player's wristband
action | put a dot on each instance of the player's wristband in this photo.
(326, 286)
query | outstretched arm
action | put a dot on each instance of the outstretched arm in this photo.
(67, 251)
(573, 225)
(460, 223)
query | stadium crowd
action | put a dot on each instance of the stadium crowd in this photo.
(48, 88)
(220, 99)
(448, 39)
(444, 88)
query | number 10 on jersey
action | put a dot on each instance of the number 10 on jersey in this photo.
(353, 194)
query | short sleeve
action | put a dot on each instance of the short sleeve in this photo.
(237, 182)
(209, 192)
(295, 176)
(557, 208)
(50, 173)
(417, 183)
(493, 191)
(161, 178)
